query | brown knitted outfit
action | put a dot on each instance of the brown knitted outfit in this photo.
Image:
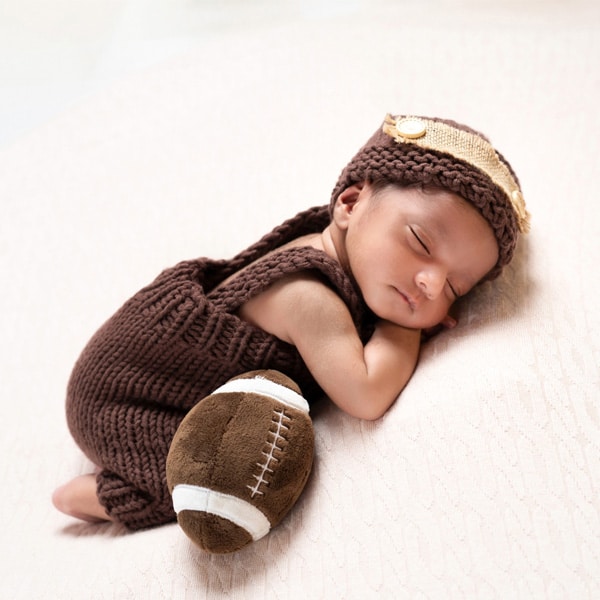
(170, 346)
(179, 339)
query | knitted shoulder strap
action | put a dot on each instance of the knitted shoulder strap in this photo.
(261, 274)
(210, 272)
(308, 221)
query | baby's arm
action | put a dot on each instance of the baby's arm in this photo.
(362, 380)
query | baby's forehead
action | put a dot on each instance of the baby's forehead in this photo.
(445, 215)
(430, 200)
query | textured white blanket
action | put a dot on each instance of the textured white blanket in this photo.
(482, 480)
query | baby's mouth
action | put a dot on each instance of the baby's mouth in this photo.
(408, 299)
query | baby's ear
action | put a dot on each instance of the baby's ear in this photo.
(449, 322)
(345, 203)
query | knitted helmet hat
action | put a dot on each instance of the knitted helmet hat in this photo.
(444, 154)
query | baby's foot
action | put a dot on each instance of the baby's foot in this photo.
(78, 499)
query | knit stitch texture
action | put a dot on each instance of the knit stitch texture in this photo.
(170, 346)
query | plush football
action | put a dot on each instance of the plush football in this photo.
(239, 460)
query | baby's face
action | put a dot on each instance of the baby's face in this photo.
(413, 253)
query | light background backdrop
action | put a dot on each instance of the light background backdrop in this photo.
(136, 134)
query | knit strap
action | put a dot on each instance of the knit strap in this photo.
(258, 276)
(312, 220)
(209, 273)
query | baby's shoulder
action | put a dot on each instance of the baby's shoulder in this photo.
(293, 302)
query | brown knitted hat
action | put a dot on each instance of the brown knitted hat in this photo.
(454, 157)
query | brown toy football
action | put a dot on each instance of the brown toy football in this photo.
(239, 460)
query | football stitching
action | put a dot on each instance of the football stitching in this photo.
(278, 434)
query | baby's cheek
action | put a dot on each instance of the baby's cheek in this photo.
(436, 315)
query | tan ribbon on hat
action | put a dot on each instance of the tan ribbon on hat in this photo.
(463, 145)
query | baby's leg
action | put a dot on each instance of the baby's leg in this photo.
(78, 499)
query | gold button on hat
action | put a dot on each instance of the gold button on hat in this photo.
(411, 128)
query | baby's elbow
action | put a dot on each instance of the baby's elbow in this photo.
(375, 413)
(372, 410)
(374, 407)
(367, 404)
(361, 408)
(372, 416)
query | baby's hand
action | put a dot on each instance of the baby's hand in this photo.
(448, 322)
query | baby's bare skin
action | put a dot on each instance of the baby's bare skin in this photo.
(78, 499)
(411, 254)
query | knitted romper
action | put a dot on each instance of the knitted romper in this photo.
(170, 346)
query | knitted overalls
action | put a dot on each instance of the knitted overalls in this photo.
(170, 346)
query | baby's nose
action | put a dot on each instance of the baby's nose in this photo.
(431, 282)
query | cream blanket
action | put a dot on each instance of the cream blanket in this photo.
(482, 480)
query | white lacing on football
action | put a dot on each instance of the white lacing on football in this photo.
(277, 435)
(240, 512)
(265, 387)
